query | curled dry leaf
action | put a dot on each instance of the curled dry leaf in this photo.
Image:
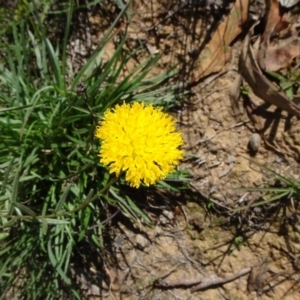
(260, 85)
(217, 52)
(271, 58)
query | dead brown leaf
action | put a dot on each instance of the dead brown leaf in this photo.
(259, 84)
(274, 19)
(217, 52)
(280, 57)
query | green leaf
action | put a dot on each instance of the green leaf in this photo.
(3, 235)
(15, 187)
(55, 66)
(53, 221)
(96, 241)
(85, 219)
(138, 211)
(55, 264)
(63, 198)
(25, 209)
(44, 226)
(286, 84)
(277, 76)
(290, 93)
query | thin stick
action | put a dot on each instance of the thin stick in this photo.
(177, 283)
(214, 280)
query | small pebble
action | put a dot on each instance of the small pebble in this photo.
(254, 142)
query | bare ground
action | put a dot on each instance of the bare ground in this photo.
(198, 236)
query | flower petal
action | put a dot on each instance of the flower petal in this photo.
(141, 141)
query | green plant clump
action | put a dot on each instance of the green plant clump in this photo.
(53, 190)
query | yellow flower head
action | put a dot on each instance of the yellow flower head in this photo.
(141, 141)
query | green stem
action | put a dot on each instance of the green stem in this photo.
(84, 204)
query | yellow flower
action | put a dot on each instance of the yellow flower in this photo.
(141, 141)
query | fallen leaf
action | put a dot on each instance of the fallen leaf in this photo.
(274, 18)
(272, 58)
(276, 24)
(280, 57)
(259, 84)
(217, 52)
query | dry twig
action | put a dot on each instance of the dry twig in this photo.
(214, 280)
(203, 283)
(177, 283)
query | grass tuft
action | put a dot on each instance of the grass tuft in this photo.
(49, 170)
